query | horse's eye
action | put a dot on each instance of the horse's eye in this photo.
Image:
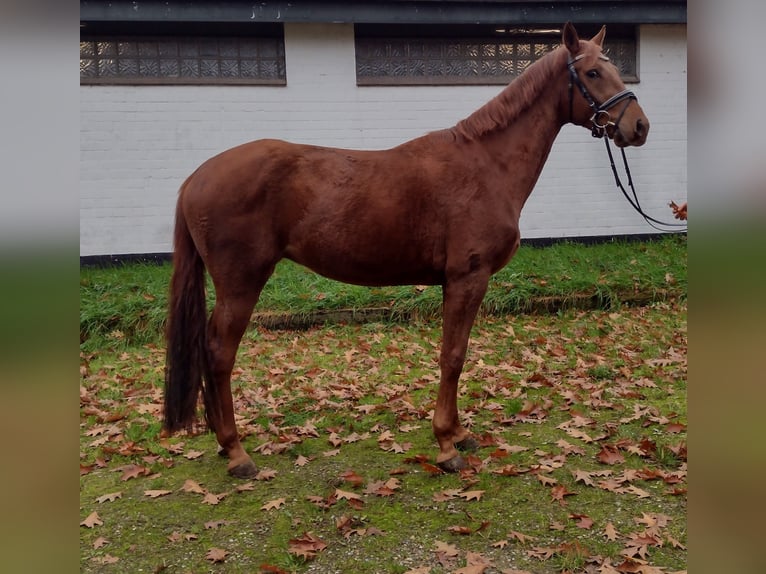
(592, 74)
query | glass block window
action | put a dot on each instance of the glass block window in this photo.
(182, 60)
(468, 55)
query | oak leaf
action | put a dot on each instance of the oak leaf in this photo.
(472, 494)
(216, 555)
(156, 493)
(111, 497)
(306, 546)
(92, 520)
(193, 486)
(100, 542)
(345, 495)
(266, 474)
(272, 504)
(610, 532)
(610, 455)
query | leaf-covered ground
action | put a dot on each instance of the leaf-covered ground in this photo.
(581, 417)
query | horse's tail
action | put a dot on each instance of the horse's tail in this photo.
(186, 363)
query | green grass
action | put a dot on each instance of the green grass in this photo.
(600, 366)
(126, 305)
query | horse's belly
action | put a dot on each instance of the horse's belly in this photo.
(373, 271)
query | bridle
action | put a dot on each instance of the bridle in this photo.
(600, 121)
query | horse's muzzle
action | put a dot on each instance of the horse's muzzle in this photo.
(631, 132)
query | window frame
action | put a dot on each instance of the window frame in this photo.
(177, 37)
(475, 36)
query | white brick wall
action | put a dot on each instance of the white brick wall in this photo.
(138, 143)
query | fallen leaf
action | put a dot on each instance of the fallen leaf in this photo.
(345, 495)
(156, 493)
(306, 546)
(193, 454)
(610, 455)
(610, 532)
(216, 555)
(266, 474)
(92, 520)
(559, 491)
(462, 530)
(100, 542)
(193, 486)
(449, 550)
(111, 497)
(273, 504)
(472, 495)
(523, 538)
(582, 521)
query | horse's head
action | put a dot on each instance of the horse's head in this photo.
(597, 96)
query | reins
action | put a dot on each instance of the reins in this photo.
(600, 120)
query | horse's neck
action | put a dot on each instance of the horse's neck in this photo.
(521, 123)
(521, 148)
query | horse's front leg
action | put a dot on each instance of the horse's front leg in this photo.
(461, 300)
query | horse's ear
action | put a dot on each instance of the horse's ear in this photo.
(598, 39)
(570, 39)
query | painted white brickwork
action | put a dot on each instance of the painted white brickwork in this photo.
(138, 143)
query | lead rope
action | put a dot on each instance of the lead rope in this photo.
(655, 223)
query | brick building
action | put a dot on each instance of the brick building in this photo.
(166, 85)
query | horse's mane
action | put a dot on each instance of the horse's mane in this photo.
(501, 110)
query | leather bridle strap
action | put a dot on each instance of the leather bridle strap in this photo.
(601, 118)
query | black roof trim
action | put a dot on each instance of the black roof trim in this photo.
(389, 11)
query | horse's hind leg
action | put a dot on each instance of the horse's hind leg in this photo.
(230, 317)
(462, 298)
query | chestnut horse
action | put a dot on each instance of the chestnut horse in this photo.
(442, 209)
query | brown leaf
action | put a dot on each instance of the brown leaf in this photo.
(111, 497)
(546, 480)
(193, 454)
(266, 474)
(100, 542)
(272, 504)
(522, 538)
(448, 550)
(352, 477)
(610, 532)
(134, 471)
(610, 455)
(345, 495)
(216, 555)
(559, 491)
(471, 495)
(306, 546)
(582, 521)
(301, 460)
(462, 530)
(193, 486)
(92, 520)
(156, 493)
(212, 499)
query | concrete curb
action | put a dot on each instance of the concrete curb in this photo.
(286, 320)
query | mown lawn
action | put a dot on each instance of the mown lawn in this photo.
(581, 414)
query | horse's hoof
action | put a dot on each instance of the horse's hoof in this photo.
(455, 464)
(222, 452)
(245, 470)
(467, 444)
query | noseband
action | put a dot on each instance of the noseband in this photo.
(601, 119)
